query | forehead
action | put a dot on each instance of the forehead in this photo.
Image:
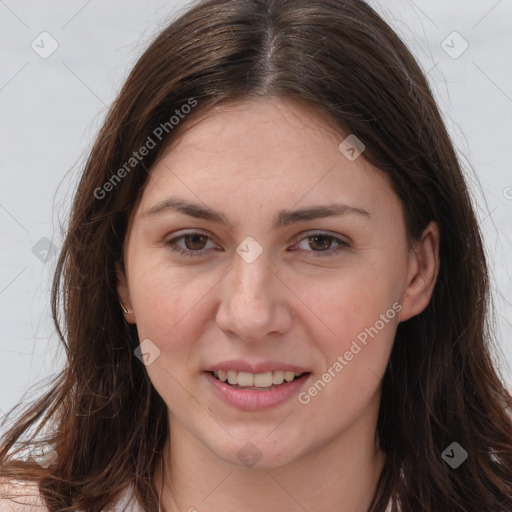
(263, 151)
(246, 126)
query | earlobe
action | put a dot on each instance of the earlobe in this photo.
(123, 294)
(423, 272)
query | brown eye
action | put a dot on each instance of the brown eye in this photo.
(193, 244)
(197, 241)
(320, 244)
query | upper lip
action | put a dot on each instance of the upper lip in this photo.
(261, 367)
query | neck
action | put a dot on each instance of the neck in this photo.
(341, 475)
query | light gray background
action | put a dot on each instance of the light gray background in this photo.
(52, 108)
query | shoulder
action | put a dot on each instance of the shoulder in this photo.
(23, 496)
(20, 496)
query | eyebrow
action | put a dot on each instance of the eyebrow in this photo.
(284, 217)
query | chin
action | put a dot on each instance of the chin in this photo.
(258, 453)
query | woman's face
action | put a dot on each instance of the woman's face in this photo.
(268, 280)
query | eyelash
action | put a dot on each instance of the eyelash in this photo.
(317, 254)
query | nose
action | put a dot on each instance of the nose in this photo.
(254, 301)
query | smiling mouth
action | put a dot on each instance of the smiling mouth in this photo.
(272, 380)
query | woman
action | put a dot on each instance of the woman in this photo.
(274, 288)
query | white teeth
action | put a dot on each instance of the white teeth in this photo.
(245, 379)
(277, 377)
(262, 380)
(289, 376)
(259, 380)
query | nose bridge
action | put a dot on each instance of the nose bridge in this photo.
(251, 304)
(251, 281)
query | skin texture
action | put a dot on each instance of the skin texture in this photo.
(249, 160)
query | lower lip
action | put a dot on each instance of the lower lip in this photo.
(251, 400)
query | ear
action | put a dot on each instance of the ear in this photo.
(124, 295)
(422, 274)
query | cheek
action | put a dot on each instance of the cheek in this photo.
(176, 316)
(359, 315)
(348, 301)
(168, 312)
(169, 307)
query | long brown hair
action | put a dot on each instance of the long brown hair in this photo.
(102, 416)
